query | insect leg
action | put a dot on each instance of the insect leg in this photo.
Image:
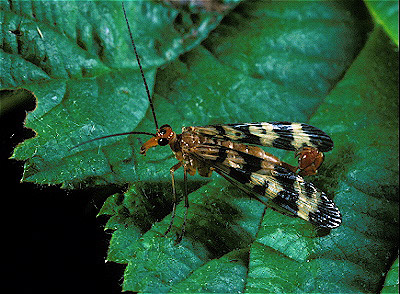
(179, 239)
(172, 171)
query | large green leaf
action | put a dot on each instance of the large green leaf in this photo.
(78, 57)
(361, 114)
(199, 88)
(265, 61)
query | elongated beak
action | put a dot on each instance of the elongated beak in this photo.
(150, 143)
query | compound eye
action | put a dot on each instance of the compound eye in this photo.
(163, 141)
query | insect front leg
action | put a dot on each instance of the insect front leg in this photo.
(172, 171)
(310, 159)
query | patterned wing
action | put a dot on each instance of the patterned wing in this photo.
(282, 135)
(284, 188)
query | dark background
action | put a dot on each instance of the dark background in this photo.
(52, 240)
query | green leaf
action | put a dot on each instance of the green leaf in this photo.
(75, 58)
(264, 61)
(392, 279)
(386, 14)
(361, 115)
(219, 221)
(200, 88)
(218, 275)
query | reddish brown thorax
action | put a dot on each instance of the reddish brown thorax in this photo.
(164, 136)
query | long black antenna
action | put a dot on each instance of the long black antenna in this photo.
(140, 66)
(113, 135)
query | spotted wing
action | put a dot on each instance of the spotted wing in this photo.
(282, 135)
(284, 188)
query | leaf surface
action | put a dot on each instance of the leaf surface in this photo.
(80, 65)
(265, 61)
(386, 14)
(392, 279)
(361, 115)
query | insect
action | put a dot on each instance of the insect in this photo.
(230, 150)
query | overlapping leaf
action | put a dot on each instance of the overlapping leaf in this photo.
(392, 279)
(386, 14)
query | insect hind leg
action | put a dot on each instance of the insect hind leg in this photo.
(172, 171)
